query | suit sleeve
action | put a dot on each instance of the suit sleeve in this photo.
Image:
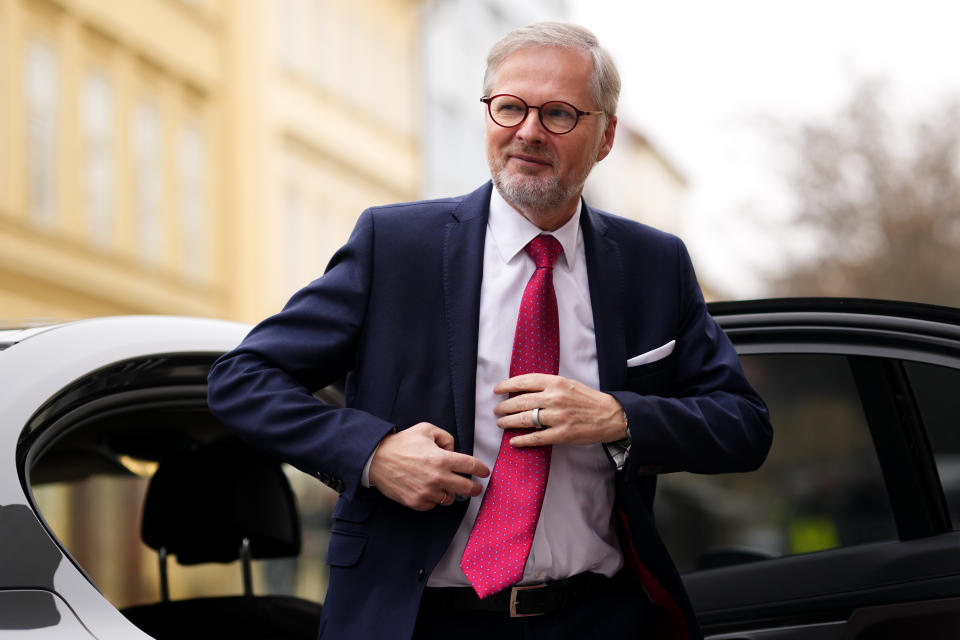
(263, 389)
(710, 420)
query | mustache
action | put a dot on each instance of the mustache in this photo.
(528, 150)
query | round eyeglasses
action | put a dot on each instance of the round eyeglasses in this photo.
(556, 116)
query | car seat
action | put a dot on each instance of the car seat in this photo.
(219, 503)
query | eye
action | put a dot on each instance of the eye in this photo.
(559, 112)
(508, 107)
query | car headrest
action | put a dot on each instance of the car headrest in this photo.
(201, 504)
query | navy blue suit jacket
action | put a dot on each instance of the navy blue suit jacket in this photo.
(397, 310)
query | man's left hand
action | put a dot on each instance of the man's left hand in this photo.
(570, 411)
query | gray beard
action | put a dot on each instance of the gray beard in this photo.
(530, 192)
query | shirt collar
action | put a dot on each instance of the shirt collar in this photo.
(511, 231)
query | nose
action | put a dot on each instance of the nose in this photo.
(531, 129)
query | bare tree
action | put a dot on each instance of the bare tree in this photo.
(882, 200)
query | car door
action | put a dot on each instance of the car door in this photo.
(849, 531)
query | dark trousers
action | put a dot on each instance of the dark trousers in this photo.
(619, 614)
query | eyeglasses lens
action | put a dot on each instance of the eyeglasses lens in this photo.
(558, 117)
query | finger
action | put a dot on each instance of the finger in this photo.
(441, 437)
(537, 439)
(468, 465)
(523, 383)
(522, 420)
(521, 403)
(461, 486)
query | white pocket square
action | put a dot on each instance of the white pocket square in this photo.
(653, 355)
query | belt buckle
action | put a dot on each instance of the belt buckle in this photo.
(514, 596)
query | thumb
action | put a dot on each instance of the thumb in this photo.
(443, 439)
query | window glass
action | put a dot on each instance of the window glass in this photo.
(287, 20)
(936, 391)
(149, 187)
(193, 200)
(821, 487)
(98, 169)
(4, 135)
(98, 520)
(42, 114)
(291, 237)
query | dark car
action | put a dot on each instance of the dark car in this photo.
(117, 468)
(849, 530)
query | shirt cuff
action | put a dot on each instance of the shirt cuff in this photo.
(365, 476)
(620, 450)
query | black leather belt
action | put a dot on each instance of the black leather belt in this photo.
(522, 600)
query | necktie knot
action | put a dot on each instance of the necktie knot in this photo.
(544, 250)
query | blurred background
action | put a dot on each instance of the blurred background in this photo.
(207, 157)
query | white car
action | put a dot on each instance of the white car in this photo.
(81, 399)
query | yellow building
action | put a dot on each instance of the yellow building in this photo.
(200, 157)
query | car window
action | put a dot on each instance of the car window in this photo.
(936, 390)
(98, 520)
(821, 486)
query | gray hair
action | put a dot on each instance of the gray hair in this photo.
(606, 78)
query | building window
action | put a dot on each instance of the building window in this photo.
(287, 22)
(290, 238)
(3, 132)
(149, 192)
(193, 200)
(98, 168)
(41, 95)
(319, 40)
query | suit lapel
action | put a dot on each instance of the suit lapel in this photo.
(605, 272)
(462, 274)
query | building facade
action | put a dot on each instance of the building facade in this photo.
(199, 157)
(109, 197)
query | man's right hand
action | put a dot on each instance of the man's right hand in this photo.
(418, 468)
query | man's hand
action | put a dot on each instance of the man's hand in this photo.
(570, 411)
(418, 468)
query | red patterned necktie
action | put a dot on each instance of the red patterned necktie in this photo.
(500, 541)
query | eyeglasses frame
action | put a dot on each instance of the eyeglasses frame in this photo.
(488, 100)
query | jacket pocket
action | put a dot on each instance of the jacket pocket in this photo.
(356, 510)
(345, 548)
(654, 378)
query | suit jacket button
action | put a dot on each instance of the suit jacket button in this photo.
(421, 574)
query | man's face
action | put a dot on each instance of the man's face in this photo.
(535, 170)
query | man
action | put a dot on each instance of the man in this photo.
(455, 340)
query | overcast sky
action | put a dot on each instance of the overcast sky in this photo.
(700, 74)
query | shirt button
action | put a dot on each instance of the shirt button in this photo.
(421, 574)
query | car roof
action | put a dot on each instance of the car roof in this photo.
(12, 335)
(855, 306)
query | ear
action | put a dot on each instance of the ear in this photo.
(606, 142)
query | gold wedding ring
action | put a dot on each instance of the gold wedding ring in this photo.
(443, 500)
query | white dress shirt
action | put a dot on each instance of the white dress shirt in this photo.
(575, 532)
